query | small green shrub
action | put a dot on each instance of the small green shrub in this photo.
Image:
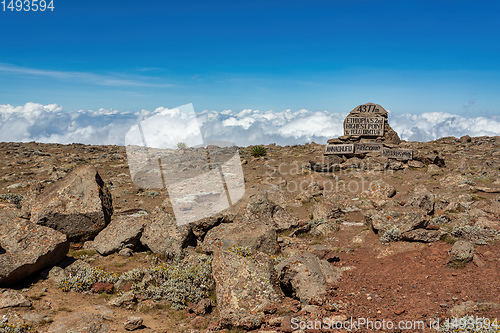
(181, 145)
(85, 278)
(257, 151)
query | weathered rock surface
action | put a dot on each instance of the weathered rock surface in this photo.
(403, 221)
(10, 298)
(379, 189)
(79, 205)
(461, 252)
(81, 322)
(305, 276)
(133, 323)
(261, 208)
(163, 236)
(254, 234)
(422, 198)
(124, 230)
(422, 235)
(244, 286)
(26, 248)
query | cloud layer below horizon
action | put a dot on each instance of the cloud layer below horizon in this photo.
(52, 124)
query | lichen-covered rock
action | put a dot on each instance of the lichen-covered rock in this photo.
(78, 205)
(461, 252)
(261, 208)
(379, 189)
(244, 286)
(254, 234)
(10, 298)
(80, 322)
(26, 248)
(381, 221)
(422, 198)
(164, 236)
(304, 276)
(132, 323)
(124, 230)
(422, 235)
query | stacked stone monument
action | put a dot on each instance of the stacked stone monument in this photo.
(366, 130)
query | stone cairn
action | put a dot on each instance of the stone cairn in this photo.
(366, 131)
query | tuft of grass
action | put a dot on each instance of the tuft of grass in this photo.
(81, 253)
(258, 150)
(65, 309)
(449, 239)
(104, 295)
(119, 263)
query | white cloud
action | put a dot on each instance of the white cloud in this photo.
(51, 123)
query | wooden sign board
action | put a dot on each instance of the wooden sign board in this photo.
(339, 149)
(399, 154)
(368, 148)
(364, 126)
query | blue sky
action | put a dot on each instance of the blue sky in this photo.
(408, 56)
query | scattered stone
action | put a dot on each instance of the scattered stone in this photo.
(26, 248)
(123, 300)
(254, 234)
(465, 139)
(79, 205)
(133, 323)
(10, 298)
(463, 309)
(461, 253)
(433, 170)
(80, 322)
(403, 221)
(124, 230)
(422, 198)
(261, 208)
(305, 276)
(422, 235)
(379, 189)
(415, 164)
(201, 308)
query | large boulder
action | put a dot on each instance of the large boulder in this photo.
(254, 234)
(261, 208)
(244, 286)
(78, 205)
(124, 230)
(164, 236)
(26, 248)
(10, 298)
(461, 253)
(304, 276)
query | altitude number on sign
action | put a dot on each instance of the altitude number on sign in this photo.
(27, 5)
(367, 108)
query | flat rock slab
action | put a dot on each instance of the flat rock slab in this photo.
(27, 248)
(79, 205)
(81, 322)
(12, 298)
(124, 229)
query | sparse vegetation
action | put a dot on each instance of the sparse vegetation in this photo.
(181, 145)
(390, 235)
(257, 151)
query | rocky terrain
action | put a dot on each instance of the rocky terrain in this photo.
(314, 239)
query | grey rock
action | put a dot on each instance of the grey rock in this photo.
(261, 208)
(462, 309)
(379, 189)
(26, 248)
(461, 252)
(164, 237)
(78, 205)
(304, 276)
(422, 235)
(80, 322)
(133, 323)
(326, 211)
(244, 286)
(124, 230)
(254, 234)
(10, 298)
(387, 219)
(123, 300)
(422, 198)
